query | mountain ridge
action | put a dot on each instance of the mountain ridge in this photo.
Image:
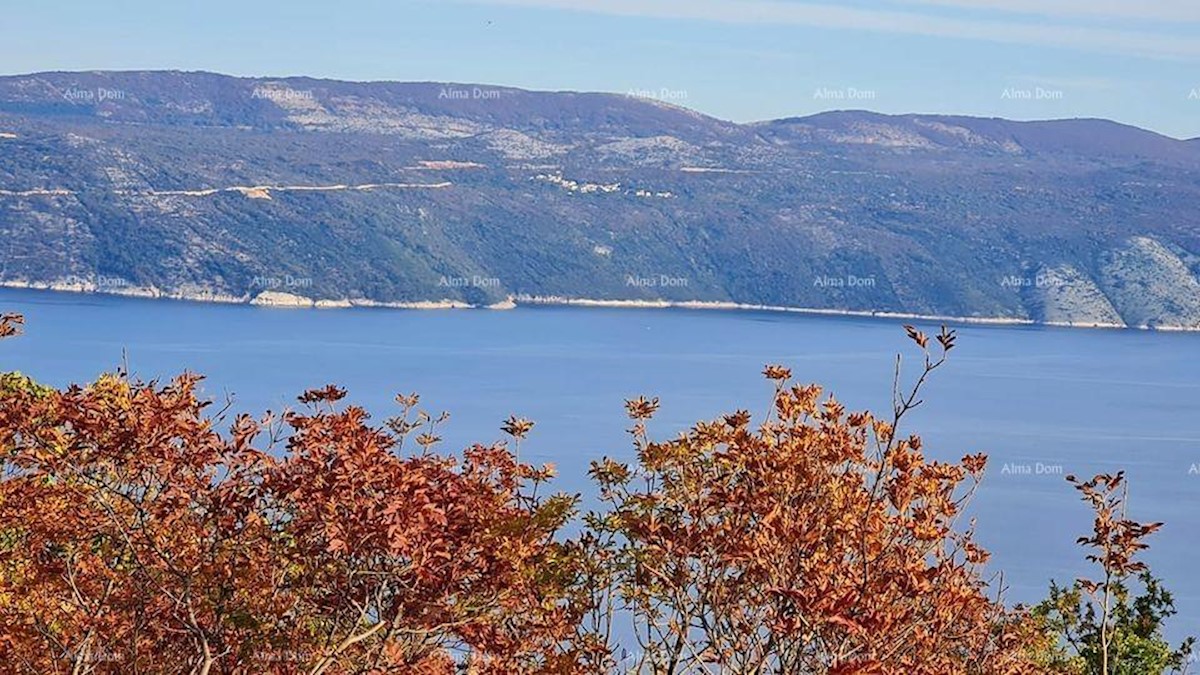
(199, 183)
(515, 88)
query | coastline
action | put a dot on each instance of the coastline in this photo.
(283, 300)
(869, 314)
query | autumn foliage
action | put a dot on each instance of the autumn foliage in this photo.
(819, 542)
(143, 532)
(134, 538)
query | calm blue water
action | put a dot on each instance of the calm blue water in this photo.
(1086, 401)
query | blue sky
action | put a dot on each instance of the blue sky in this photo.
(1134, 61)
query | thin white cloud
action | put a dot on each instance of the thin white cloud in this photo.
(1153, 10)
(777, 12)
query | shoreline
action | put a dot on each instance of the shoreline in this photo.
(813, 311)
(283, 300)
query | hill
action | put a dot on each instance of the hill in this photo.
(286, 190)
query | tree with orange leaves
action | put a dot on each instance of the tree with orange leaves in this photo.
(136, 538)
(10, 324)
(417, 560)
(818, 542)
